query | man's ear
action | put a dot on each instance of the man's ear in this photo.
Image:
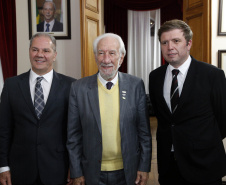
(121, 59)
(189, 44)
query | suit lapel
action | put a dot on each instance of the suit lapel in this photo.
(186, 91)
(94, 99)
(160, 89)
(25, 89)
(123, 91)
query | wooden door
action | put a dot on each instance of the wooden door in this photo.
(197, 14)
(91, 24)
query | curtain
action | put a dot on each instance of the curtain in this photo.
(115, 15)
(8, 47)
(115, 20)
(1, 78)
(143, 50)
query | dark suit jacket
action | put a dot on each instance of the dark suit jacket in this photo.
(30, 146)
(84, 129)
(57, 27)
(198, 125)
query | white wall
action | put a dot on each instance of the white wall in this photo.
(218, 42)
(68, 51)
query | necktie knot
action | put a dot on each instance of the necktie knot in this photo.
(175, 72)
(39, 79)
(109, 85)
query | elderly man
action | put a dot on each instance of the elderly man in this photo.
(50, 24)
(109, 139)
(33, 120)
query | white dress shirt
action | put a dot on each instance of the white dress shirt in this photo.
(51, 23)
(46, 85)
(180, 78)
(104, 82)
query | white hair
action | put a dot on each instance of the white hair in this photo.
(122, 49)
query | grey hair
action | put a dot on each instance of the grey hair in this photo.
(122, 49)
(44, 35)
(54, 5)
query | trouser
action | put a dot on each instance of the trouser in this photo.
(112, 177)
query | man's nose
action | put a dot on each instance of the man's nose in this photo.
(40, 54)
(107, 58)
(170, 46)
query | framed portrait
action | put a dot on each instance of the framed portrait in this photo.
(222, 18)
(52, 16)
(222, 60)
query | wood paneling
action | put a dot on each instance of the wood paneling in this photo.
(91, 33)
(92, 5)
(91, 23)
(197, 14)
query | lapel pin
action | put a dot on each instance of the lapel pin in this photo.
(124, 95)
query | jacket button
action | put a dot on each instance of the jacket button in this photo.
(99, 161)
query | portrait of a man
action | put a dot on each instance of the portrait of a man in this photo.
(49, 23)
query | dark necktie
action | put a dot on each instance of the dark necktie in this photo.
(109, 84)
(47, 27)
(39, 98)
(174, 93)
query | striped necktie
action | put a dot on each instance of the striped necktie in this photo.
(174, 92)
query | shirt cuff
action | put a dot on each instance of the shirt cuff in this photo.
(4, 169)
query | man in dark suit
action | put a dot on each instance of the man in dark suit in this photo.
(32, 139)
(49, 24)
(109, 138)
(189, 99)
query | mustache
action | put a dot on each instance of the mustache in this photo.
(106, 65)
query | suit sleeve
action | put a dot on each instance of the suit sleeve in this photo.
(144, 131)
(6, 121)
(74, 134)
(219, 100)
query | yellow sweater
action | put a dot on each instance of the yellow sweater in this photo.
(111, 139)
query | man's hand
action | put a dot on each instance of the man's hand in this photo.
(142, 178)
(79, 181)
(5, 178)
(69, 180)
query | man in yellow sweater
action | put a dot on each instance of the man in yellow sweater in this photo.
(109, 140)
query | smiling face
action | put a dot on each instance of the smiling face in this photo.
(108, 58)
(48, 11)
(175, 49)
(42, 55)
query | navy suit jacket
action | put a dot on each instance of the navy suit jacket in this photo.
(28, 145)
(197, 127)
(84, 129)
(57, 27)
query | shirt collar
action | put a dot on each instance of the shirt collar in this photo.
(104, 82)
(47, 77)
(51, 22)
(184, 67)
